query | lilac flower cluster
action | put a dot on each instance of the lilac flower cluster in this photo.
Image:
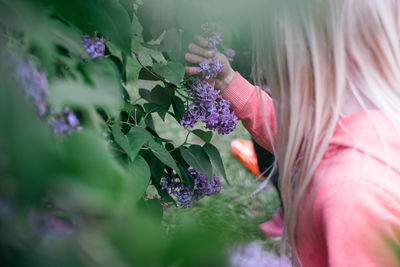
(229, 53)
(35, 85)
(211, 35)
(94, 46)
(215, 39)
(209, 107)
(210, 68)
(202, 187)
(64, 123)
(254, 255)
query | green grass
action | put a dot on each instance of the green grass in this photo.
(236, 202)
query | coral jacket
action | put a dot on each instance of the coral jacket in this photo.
(350, 215)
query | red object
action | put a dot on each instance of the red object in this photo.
(244, 151)
(273, 227)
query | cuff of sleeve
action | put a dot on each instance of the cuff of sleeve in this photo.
(238, 92)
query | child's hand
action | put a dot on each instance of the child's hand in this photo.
(199, 52)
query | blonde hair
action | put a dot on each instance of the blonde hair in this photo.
(315, 55)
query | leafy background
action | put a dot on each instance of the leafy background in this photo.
(103, 181)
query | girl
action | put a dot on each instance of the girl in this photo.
(332, 122)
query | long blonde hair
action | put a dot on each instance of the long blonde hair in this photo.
(314, 55)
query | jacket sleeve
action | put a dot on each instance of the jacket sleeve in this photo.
(254, 108)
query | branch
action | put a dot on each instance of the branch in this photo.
(151, 72)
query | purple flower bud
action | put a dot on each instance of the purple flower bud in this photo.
(214, 40)
(71, 118)
(229, 53)
(64, 123)
(94, 46)
(210, 68)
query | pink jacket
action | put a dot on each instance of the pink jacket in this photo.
(350, 215)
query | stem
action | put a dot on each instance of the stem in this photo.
(135, 118)
(151, 72)
(182, 95)
(187, 136)
(117, 149)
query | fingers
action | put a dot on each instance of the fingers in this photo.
(192, 58)
(195, 49)
(201, 41)
(192, 70)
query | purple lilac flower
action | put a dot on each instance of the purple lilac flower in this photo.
(207, 30)
(34, 83)
(44, 223)
(65, 123)
(94, 46)
(211, 35)
(229, 53)
(210, 68)
(253, 255)
(202, 187)
(214, 40)
(216, 185)
(178, 189)
(210, 108)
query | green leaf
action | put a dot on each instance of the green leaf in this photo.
(206, 136)
(172, 71)
(173, 44)
(80, 94)
(109, 18)
(114, 22)
(162, 154)
(132, 69)
(150, 108)
(114, 50)
(94, 161)
(128, 5)
(186, 177)
(216, 159)
(121, 139)
(140, 171)
(161, 96)
(197, 159)
(146, 55)
(179, 108)
(153, 208)
(137, 137)
(133, 141)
